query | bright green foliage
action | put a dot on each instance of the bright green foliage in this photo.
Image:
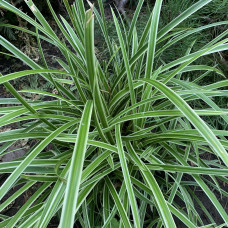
(123, 132)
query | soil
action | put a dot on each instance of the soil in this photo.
(206, 202)
(13, 208)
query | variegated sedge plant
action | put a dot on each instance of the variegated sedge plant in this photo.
(122, 131)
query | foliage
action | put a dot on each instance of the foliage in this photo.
(122, 133)
(6, 31)
(8, 17)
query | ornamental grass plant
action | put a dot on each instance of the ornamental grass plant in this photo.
(126, 149)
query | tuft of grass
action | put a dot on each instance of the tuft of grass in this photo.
(122, 129)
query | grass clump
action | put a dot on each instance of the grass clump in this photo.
(122, 133)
